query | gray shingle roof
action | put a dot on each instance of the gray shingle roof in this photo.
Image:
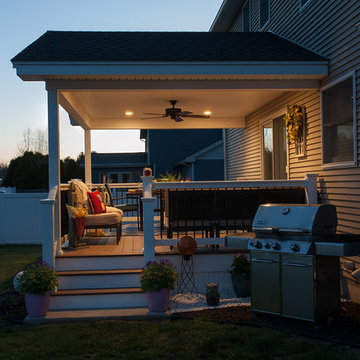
(59, 46)
(118, 159)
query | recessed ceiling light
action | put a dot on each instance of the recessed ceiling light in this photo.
(207, 112)
(129, 113)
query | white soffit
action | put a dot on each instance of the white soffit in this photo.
(105, 109)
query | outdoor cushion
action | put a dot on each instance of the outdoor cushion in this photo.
(96, 202)
(108, 218)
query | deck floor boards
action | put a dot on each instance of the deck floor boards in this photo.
(131, 242)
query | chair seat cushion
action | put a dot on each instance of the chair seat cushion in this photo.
(111, 217)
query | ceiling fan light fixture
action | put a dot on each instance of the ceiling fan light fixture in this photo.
(129, 113)
(207, 112)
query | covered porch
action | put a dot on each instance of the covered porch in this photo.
(221, 77)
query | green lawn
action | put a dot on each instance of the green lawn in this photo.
(181, 339)
(13, 258)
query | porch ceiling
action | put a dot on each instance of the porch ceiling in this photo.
(104, 109)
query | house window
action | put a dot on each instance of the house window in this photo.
(338, 123)
(264, 12)
(125, 177)
(246, 17)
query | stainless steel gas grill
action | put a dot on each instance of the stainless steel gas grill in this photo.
(294, 255)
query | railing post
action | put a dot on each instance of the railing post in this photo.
(311, 188)
(148, 211)
(48, 233)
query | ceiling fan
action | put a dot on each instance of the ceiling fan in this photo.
(175, 113)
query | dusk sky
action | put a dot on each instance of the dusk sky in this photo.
(23, 104)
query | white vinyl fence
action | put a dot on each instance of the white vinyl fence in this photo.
(20, 218)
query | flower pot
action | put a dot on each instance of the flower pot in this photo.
(37, 305)
(80, 226)
(158, 301)
(241, 284)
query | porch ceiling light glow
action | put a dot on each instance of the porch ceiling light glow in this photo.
(207, 112)
(129, 113)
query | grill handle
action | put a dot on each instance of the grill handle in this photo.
(278, 230)
(268, 261)
(296, 264)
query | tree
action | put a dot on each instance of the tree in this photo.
(3, 170)
(33, 142)
(30, 171)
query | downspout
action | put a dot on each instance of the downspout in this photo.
(224, 151)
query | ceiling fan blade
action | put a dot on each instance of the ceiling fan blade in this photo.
(184, 113)
(153, 114)
(153, 117)
(198, 116)
(177, 118)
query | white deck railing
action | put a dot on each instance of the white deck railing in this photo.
(309, 183)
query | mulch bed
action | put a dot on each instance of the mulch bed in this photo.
(344, 330)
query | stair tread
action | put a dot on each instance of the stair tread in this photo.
(98, 272)
(98, 291)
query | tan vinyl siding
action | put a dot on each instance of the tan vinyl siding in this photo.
(328, 28)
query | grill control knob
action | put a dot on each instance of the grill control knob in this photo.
(275, 245)
(257, 244)
(267, 245)
(251, 243)
(294, 247)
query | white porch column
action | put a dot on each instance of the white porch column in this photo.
(87, 137)
(311, 188)
(148, 211)
(51, 237)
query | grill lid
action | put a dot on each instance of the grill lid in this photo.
(294, 218)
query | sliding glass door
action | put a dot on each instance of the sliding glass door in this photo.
(274, 149)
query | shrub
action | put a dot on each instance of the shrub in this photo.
(156, 276)
(38, 279)
(240, 265)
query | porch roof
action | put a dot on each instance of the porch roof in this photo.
(163, 46)
(102, 75)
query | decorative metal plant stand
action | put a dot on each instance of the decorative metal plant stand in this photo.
(187, 246)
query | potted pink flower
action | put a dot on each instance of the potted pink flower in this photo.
(157, 279)
(35, 283)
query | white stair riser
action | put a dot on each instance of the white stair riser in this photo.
(98, 281)
(99, 263)
(99, 301)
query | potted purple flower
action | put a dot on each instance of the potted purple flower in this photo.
(240, 275)
(157, 279)
(36, 282)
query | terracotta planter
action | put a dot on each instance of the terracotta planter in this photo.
(37, 305)
(80, 226)
(241, 284)
(158, 301)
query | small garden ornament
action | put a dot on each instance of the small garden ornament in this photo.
(212, 294)
(157, 279)
(36, 282)
(240, 275)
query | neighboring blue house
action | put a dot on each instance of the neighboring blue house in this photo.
(206, 164)
(197, 153)
(117, 167)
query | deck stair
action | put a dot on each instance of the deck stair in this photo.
(98, 282)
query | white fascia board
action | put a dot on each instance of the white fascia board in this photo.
(47, 69)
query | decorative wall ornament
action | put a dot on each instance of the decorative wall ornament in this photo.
(295, 128)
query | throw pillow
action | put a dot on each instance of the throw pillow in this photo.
(96, 202)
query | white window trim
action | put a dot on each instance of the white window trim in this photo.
(242, 15)
(302, 7)
(344, 164)
(268, 20)
(263, 122)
